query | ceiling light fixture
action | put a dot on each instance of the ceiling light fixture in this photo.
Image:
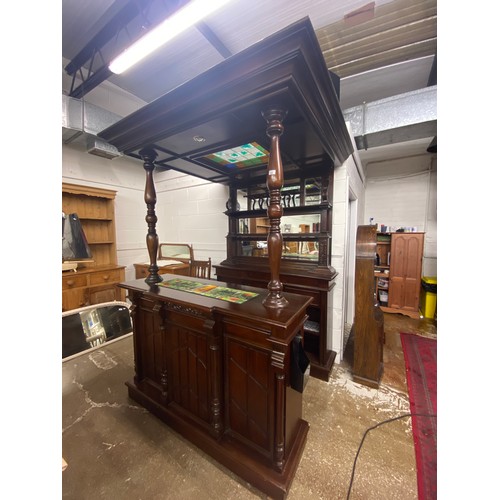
(178, 22)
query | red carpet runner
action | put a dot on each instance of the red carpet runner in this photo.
(421, 376)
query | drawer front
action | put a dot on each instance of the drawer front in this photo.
(183, 271)
(75, 281)
(103, 277)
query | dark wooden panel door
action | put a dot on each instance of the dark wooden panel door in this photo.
(188, 370)
(150, 359)
(249, 398)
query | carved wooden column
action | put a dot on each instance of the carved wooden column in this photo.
(279, 441)
(274, 118)
(133, 297)
(149, 155)
(159, 309)
(216, 378)
(278, 368)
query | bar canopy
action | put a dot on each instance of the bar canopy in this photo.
(212, 126)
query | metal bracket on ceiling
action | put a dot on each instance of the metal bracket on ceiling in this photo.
(212, 38)
(122, 29)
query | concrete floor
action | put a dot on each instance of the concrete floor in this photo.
(116, 449)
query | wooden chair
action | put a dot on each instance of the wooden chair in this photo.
(201, 268)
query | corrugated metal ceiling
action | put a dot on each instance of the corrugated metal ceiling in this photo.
(387, 34)
(378, 49)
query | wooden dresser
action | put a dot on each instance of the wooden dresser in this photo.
(95, 281)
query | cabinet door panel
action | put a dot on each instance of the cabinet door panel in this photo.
(406, 269)
(99, 295)
(398, 257)
(150, 363)
(396, 290)
(411, 294)
(73, 299)
(188, 370)
(249, 395)
(413, 258)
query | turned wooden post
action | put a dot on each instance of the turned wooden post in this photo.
(274, 118)
(149, 155)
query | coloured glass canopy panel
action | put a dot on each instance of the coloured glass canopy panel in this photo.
(242, 156)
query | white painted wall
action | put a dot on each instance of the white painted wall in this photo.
(347, 186)
(127, 178)
(188, 209)
(403, 193)
(191, 210)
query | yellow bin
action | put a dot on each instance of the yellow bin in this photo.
(428, 296)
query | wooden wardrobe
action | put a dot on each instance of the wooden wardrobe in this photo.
(400, 262)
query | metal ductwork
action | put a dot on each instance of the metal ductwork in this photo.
(399, 118)
(82, 121)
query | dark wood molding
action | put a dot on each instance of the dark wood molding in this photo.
(286, 69)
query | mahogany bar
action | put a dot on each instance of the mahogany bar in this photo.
(219, 373)
(267, 123)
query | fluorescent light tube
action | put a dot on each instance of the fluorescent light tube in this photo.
(184, 18)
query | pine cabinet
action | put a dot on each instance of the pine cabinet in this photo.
(399, 272)
(94, 281)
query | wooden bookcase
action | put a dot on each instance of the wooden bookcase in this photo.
(94, 281)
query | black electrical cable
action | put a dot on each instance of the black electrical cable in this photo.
(406, 415)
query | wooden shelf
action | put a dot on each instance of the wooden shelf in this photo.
(95, 281)
(303, 272)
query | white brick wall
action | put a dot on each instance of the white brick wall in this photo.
(403, 193)
(189, 209)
